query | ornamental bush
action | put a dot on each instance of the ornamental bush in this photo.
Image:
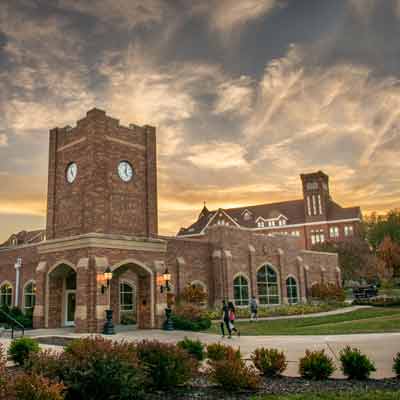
(20, 349)
(194, 347)
(328, 292)
(270, 362)
(35, 387)
(396, 365)
(355, 365)
(220, 352)
(3, 380)
(232, 373)
(190, 318)
(316, 365)
(167, 365)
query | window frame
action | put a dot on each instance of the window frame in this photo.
(265, 299)
(242, 286)
(289, 289)
(31, 294)
(9, 294)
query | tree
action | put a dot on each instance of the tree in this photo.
(389, 252)
(355, 258)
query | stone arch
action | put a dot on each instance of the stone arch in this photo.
(7, 282)
(60, 294)
(145, 290)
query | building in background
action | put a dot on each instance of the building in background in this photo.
(314, 219)
(102, 214)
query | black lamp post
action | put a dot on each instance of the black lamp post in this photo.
(168, 325)
(108, 328)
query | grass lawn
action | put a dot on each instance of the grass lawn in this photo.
(361, 321)
(368, 395)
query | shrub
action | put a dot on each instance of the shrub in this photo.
(355, 365)
(233, 374)
(167, 364)
(190, 318)
(219, 352)
(3, 380)
(35, 387)
(270, 362)
(20, 349)
(328, 292)
(194, 294)
(194, 347)
(316, 365)
(128, 318)
(96, 368)
(396, 365)
(93, 368)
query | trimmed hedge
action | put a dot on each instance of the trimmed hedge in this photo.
(355, 365)
(270, 362)
(316, 365)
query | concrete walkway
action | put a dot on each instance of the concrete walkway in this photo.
(344, 310)
(381, 348)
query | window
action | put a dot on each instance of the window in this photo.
(260, 224)
(241, 291)
(282, 222)
(334, 231)
(267, 285)
(317, 236)
(348, 230)
(319, 204)
(127, 297)
(314, 203)
(29, 295)
(246, 216)
(6, 295)
(291, 288)
(295, 233)
(309, 205)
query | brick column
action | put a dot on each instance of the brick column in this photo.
(227, 271)
(338, 277)
(323, 277)
(100, 299)
(160, 299)
(82, 294)
(252, 272)
(301, 280)
(281, 258)
(218, 277)
(39, 309)
(306, 270)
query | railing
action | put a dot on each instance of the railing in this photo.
(13, 322)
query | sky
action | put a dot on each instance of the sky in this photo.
(245, 95)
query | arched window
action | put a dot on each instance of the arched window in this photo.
(291, 288)
(29, 295)
(6, 295)
(127, 297)
(267, 285)
(241, 291)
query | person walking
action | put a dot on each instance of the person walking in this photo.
(225, 320)
(253, 309)
(232, 318)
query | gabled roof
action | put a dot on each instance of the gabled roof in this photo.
(292, 211)
(25, 237)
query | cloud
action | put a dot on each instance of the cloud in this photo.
(3, 140)
(218, 156)
(229, 15)
(126, 12)
(235, 96)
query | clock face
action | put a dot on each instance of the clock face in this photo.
(72, 172)
(125, 171)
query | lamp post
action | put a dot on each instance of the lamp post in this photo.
(108, 328)
(166, 279)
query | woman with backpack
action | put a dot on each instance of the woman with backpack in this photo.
(232, 317)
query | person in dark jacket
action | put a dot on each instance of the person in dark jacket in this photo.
(225, 320)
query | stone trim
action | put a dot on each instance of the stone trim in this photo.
(94, 240)
(72, 144)
(125, 143)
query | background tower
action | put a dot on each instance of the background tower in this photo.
(102, 178)
(316, 196)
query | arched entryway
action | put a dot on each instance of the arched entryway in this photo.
(61, 295)
(132, 294)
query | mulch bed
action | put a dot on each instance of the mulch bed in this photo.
(280, 386)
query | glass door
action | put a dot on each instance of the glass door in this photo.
(70, 303)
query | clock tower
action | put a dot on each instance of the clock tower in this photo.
(102, 179)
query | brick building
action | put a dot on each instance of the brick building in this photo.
(102, 213)
(314, 219)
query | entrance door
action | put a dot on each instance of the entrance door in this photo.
(70, 303)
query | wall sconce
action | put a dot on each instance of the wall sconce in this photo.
(106, 277)
(164, 281)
